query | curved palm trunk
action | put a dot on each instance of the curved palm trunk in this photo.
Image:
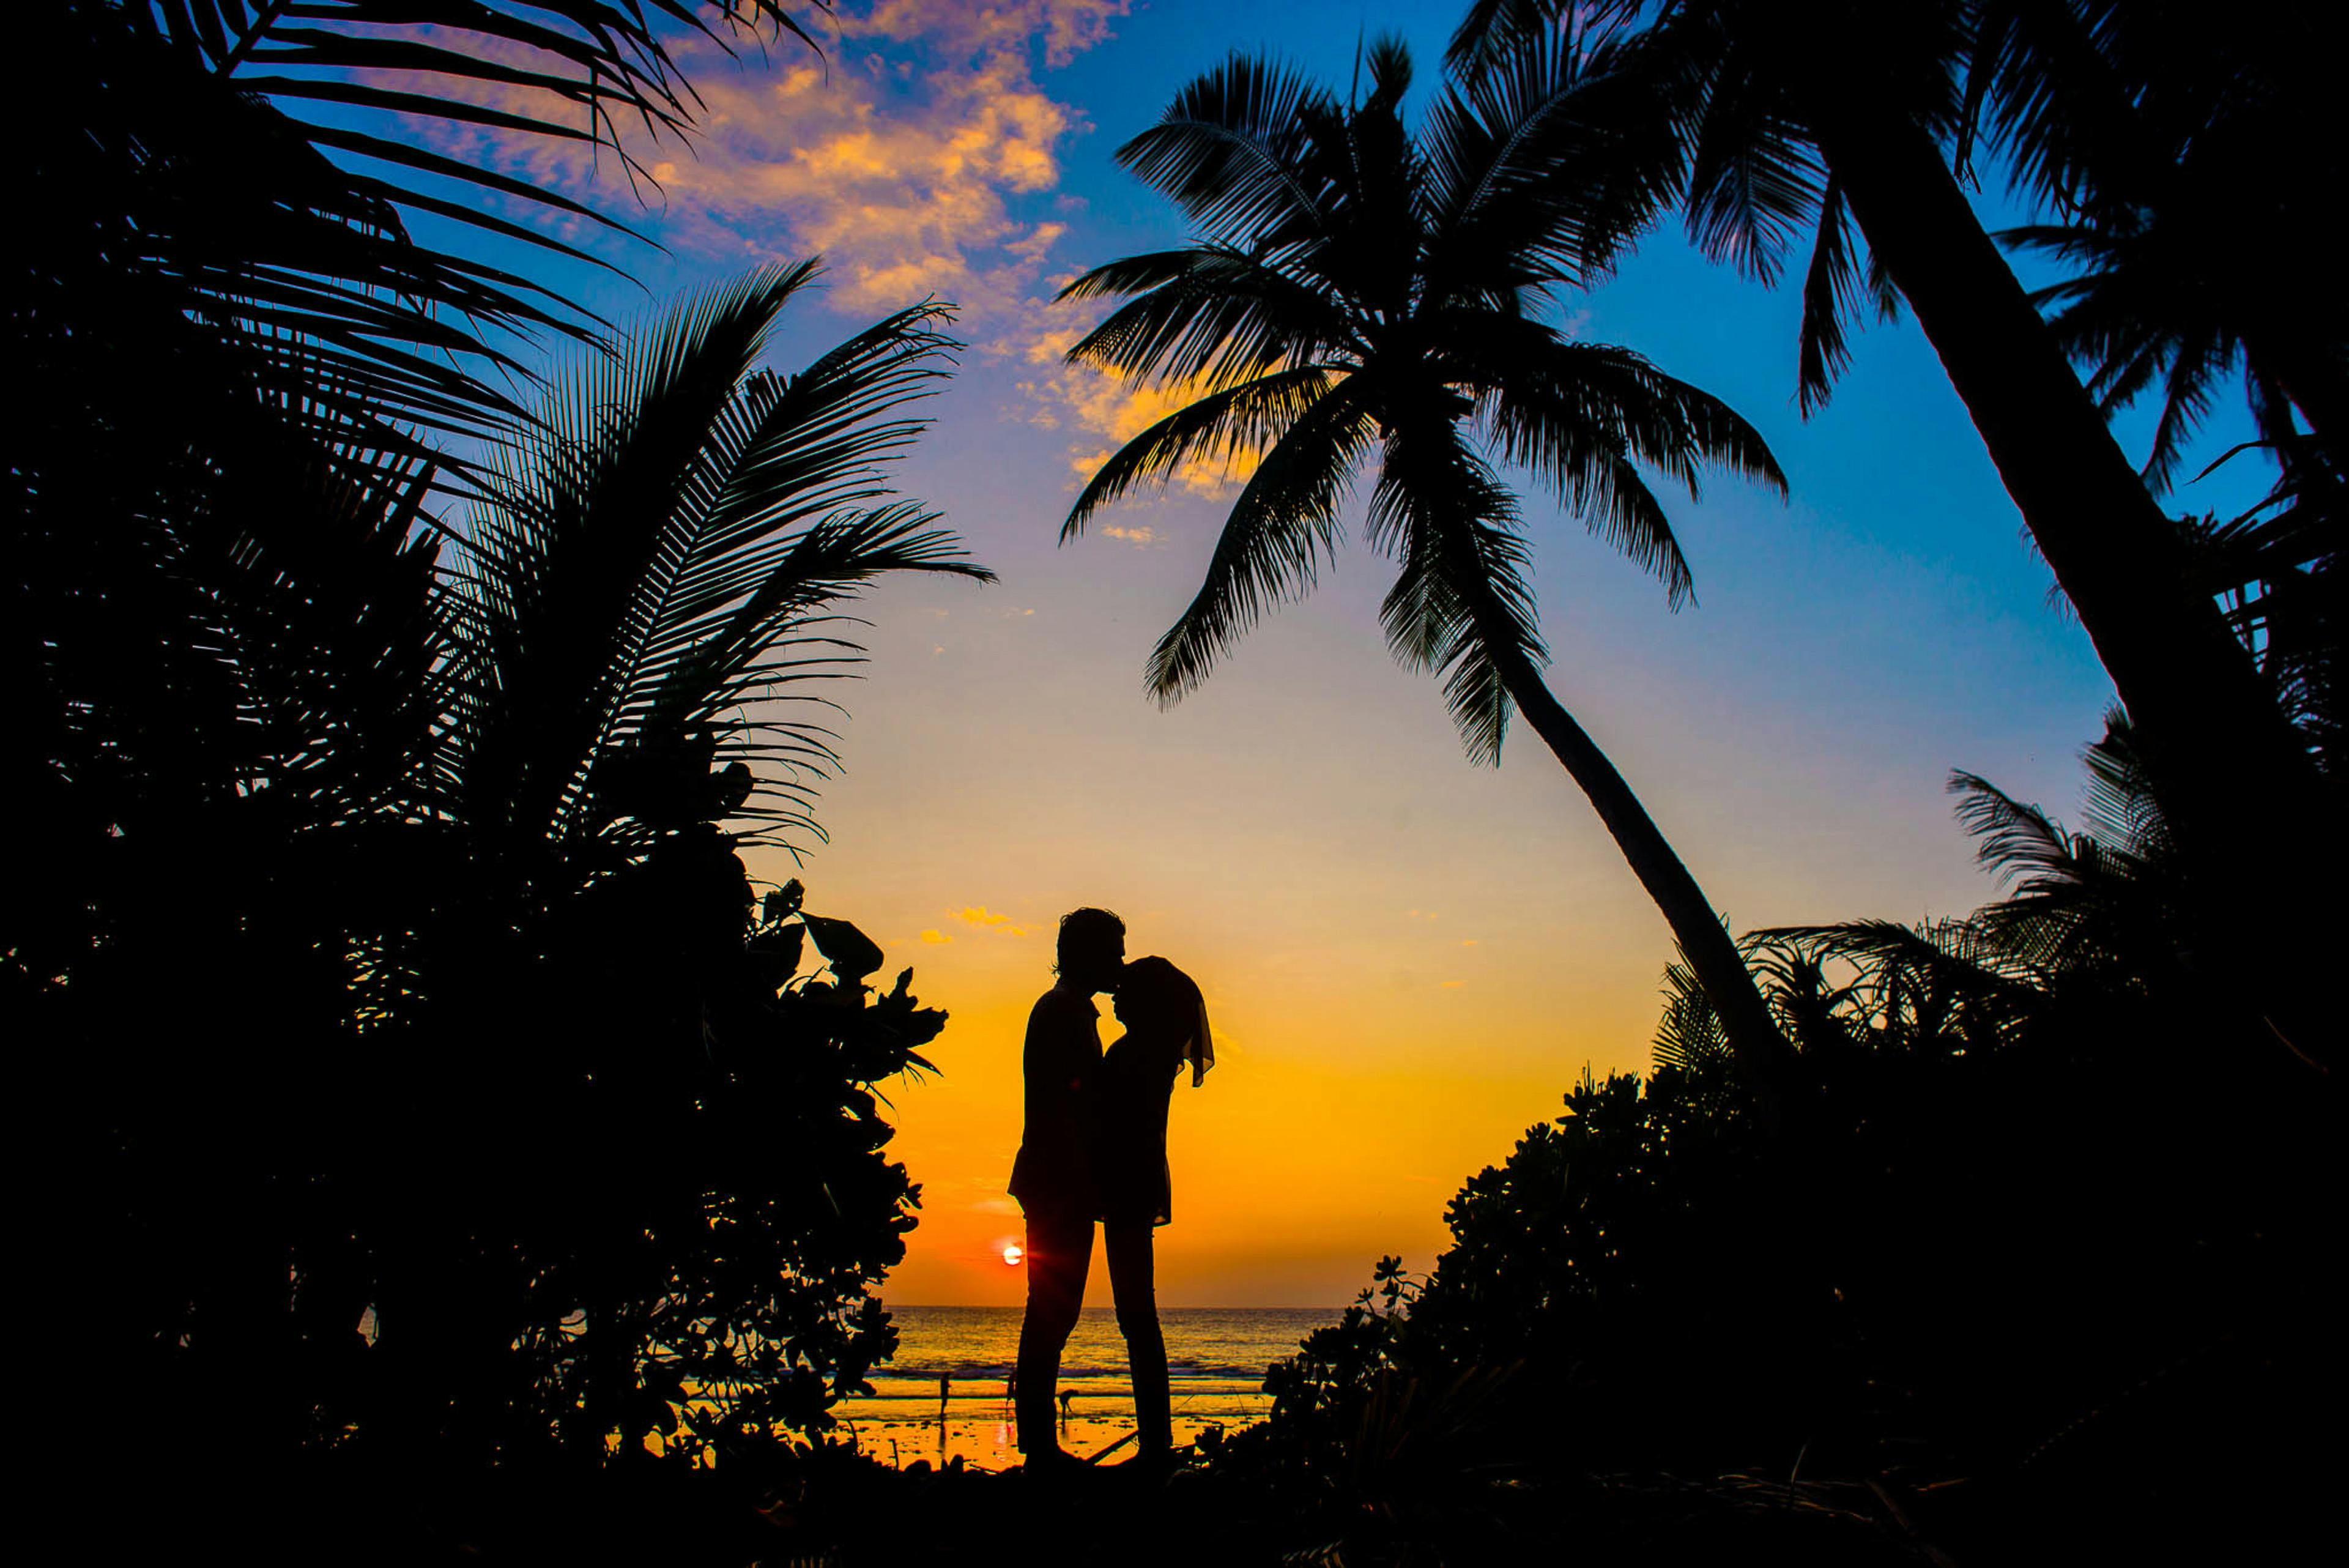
(2244, 797)
(1755, 1041)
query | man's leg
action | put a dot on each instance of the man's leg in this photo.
(1059, 1254)
(1134, 1277)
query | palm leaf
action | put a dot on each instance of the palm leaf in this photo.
(660, 553)
(1210, 315)
(307, 264)
(1542, 168)
(1582, 415)
(1283, 524)
(1460, 605)
(1228, 146)
(1218, 427)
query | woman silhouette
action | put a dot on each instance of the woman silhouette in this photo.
(1165, 1021)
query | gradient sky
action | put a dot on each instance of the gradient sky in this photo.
(1407, 958)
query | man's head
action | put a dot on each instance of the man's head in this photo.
(1093, 949)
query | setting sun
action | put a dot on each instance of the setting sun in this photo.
(1012, 1255)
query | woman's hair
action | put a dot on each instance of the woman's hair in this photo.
(1153, 988)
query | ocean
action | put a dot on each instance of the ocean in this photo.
(1215, 1359)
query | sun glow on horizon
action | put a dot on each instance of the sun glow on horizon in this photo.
(1013, 1256)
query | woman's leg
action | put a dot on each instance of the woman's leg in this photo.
(1134, 1279)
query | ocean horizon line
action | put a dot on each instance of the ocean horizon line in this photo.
(1162, 1306)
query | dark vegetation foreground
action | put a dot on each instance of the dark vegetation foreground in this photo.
(439, 1149)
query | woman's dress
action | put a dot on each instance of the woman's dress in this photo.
(1128, 1096)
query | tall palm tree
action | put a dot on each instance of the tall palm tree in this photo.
(1359, 296)
(1825, 113)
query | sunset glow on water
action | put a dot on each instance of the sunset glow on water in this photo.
(1217, 1358)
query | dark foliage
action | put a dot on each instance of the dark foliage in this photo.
(426, 1098)
(464, 1111)
(1997, 1290)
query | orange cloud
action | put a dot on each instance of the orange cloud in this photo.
(936, 938)
(896, 158)
(980, 917)
(1105, 406)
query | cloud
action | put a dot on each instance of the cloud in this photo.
(978, 917)
(1453, 984)
(1133, 536)
(901, 157)
(936, 938)
(1066, 28)
(1103, 405)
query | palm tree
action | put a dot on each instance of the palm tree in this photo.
(647, 572)
(1361, 295)
(2183, 170)
(1816, 115)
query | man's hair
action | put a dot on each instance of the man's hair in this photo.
(1081, 929)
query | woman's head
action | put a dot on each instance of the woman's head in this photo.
(1154, 993)
(1154, 997)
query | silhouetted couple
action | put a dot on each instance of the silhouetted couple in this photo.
(1094, 1150)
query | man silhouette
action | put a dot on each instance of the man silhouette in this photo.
(1050, 1178)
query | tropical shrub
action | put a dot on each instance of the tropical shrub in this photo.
(1989, 1243)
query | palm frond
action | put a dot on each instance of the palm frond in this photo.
(1543, 168)
(1461, 606)
(1282, 527)
(1582, 415)
(1218, 427)
(2119, 805)
(2021, 845)
(1227, 148)
(1689, 1035)
(1207, 316)
(1830, 292)
(1756, 181)
(660, 549)
(290, 237)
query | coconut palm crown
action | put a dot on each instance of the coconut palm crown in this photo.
(1363, 298)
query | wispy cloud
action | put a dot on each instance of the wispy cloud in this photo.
(1097, 404)
(978, 917)
(936, 938)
